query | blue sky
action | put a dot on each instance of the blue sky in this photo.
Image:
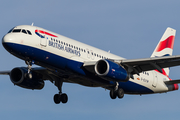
(130, 29)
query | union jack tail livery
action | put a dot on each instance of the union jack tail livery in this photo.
(165, 45)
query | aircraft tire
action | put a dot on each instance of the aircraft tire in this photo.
(57, 98)
(64, 98)
(113, 94)
(120, 93)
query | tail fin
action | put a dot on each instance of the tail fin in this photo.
(165, 45)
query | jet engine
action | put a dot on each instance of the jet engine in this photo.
(111, 71)
(19, 76)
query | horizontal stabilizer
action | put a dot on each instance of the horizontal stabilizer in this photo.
(172, 82)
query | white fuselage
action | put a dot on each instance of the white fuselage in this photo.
(70, 49)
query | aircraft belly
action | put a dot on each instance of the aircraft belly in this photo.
(133, 88)
(57, 61)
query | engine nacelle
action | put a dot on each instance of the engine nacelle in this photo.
(109, 69)
(19, 77)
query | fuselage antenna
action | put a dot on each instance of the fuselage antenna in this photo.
(32, 24)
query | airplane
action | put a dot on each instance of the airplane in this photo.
(61, 59)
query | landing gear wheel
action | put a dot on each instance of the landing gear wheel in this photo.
(57, 98)
(64, 98)
(120, 93)
(113, 94)
(28, 75)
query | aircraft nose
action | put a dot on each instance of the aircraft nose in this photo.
(7, 38)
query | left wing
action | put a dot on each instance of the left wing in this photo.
(135, 66)
(139, 65)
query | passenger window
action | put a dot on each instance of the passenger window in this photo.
(16, 30)
(84, 50)
(29, 32)
(24, 31)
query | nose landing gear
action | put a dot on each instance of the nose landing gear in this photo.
(29, 63)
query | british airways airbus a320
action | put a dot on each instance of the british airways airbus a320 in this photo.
(66, 60)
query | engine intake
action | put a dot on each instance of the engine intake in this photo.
(109, 69)
(19, 77)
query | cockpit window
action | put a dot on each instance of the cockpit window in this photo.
(19, 30)
(24, 31)
(16, 30)
(29, 32)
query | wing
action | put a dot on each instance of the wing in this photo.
(43, 71)
(135, 66)
(5, 72)
(139, 65)
(55, 75)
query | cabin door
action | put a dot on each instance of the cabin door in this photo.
(43, 41)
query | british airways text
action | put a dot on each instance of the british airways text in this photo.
(65, 48)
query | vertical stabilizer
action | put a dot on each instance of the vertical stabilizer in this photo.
(165, 45)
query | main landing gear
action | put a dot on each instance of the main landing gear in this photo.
(117, 92)
(61, 97)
